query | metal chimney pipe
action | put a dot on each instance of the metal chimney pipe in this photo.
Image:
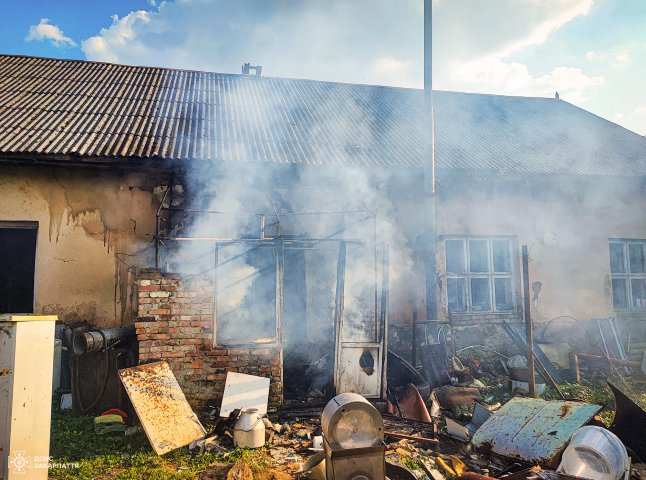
(429, 166)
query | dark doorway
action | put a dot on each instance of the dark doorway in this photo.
(309, 306)
(17, 264)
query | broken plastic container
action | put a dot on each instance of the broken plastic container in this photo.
(596, 454)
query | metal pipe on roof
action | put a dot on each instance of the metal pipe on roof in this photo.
(429, 166)
(529, 328)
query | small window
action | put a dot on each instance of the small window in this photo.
(480, 274)
(504, 297)
(617, 259)
(456, 289)
(628, 271)
(478, 256)
(455, 258)
(501, 256)
(480, 295)
(619, 293)
(636, 256)
(245, 294)
(17, 264)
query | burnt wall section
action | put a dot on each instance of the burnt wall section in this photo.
(176, 325)
(94, 229)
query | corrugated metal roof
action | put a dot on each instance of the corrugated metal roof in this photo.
(62, 109)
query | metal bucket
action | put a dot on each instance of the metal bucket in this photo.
(596, 454)
(314, 467)
(249, 430)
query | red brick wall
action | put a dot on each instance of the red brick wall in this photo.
(176, 325)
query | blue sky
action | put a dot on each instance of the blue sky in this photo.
(78, 19)
(592, 51)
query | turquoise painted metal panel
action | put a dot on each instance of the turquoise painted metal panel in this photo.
(533, 430)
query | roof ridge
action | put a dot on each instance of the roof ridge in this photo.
(189, 70)
(292, 79)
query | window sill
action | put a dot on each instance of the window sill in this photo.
(461, 318)
(631, 315)
(248, 346)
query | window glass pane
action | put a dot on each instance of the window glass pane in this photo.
(455, 258)
(309, 293)
(478, 257)
(502, 290)
(246, 294)
(480, 297)
(456, 293)
(617, 263)
(619, 293)
(359, 316)
(636, 256)
(501, 255)
(638, 287)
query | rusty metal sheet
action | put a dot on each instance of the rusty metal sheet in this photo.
(533, 430)
(167, 418)
(629, 423)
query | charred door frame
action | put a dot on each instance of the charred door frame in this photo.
(380, 340)
(279, 241)
(338, 309)
(280, 245)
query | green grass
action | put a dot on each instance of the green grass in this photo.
(78, 453)
(119, 457)
(410, 463)
(598, 392)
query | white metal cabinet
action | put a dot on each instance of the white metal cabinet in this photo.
(26, 363)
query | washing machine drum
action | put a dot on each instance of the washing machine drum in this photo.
(350, 421)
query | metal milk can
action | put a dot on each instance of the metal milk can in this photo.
(249, 430)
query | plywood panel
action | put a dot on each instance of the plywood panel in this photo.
(167, 418)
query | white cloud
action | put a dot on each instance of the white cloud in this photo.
(392, 71)
(472, 29)
(564, 12)
(120, 35)
(494, 75)
(293, 39)
(47, 31)
(621, 58)
(615, 58)
(481, 61)
(571, 83)
(634, 119)
(363, 41)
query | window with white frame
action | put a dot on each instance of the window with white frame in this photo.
(479, 274)
(628, 271)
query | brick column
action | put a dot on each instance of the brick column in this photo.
(175, 324)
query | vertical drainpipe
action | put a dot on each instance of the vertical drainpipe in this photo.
(429, 167)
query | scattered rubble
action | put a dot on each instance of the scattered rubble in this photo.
(471, 432)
